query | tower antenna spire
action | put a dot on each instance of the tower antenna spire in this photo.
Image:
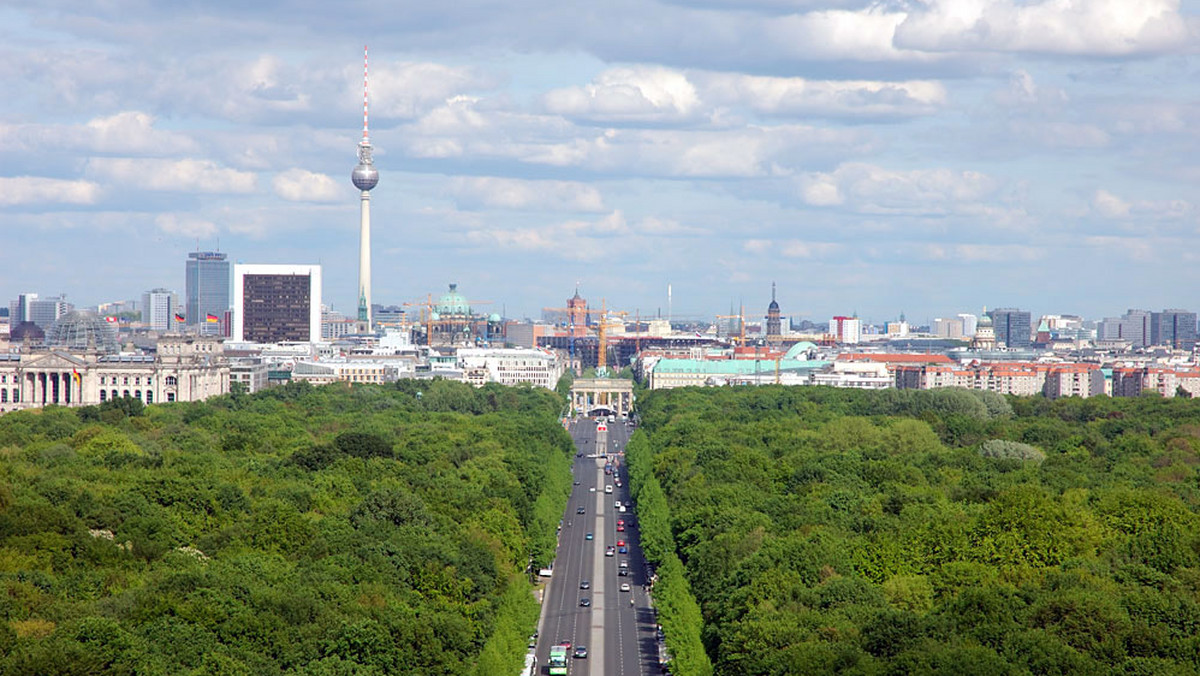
(366, 136)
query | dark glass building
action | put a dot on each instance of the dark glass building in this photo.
(207, 292)
(1173, 328)
(277, 303)
(1012, 327)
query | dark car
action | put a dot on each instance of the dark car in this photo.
(585, 602)
(585, 585)
(623, 572)
(589, 536)
(580, 510)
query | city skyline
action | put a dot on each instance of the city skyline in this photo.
(866, 156)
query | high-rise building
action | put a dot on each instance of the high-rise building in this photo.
(207, 290)
(1174, 328)
(846, 330)
(1133, 326)
(159, 307)
(40, 311)
(364, 177)
(277, 303)
(948, 327)
(18, 310)
(969, 322)
(1012, 327)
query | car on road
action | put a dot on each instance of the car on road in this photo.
(625, 564)
(581, 510)
(625, 586)
(589, 536)
(620, 528)
(586, 602)
(580, 652)
(608, 489)
(579, 454)
(623, 572)
(576, 483)
(585, 585)
(610, 550)
(592, 489)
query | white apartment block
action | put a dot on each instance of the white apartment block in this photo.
(510, 366)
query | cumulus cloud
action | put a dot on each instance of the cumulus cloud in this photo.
(33, 190)
(511, 193)
(1081, 27)
(870, 188)
(642, 93)
(172, 175)
(791, 248)
(125, 133)
(794, 95)
(1107, 205)
(185, 225)
(298, 185)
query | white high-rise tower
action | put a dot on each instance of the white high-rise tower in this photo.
(364, 178)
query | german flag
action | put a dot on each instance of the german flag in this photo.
(180, 318)
(210, 318)
(75, 374)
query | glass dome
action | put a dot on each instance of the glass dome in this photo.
(81, 330)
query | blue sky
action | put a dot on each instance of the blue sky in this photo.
(925, 156)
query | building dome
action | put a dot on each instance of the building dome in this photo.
(453, 303)
(984, 320)
(494, 317)
(364, 177)
(773, 306)
(82, 330)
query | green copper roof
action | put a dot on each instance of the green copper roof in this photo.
(735, 367)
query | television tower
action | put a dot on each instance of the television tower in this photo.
(364, 178)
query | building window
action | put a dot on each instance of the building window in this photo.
(137, 380)
(103, 396)
(16, 395)
(114, 394)
(3, 396)
(149, 380)
(126, 383)
(102, 380)
(126, 392)
(137, 394)
(149, 397)
(170, 396)
(172, 380)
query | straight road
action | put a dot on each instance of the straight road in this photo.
(619, 636)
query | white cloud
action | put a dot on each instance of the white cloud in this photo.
(26, 190)
(1081, 27)
(794, 95)
(870, 188)
(409, 89)
(298, 185)
(186, 225)
(172, 175)
(125, 133)
(641, 93)
(792, 248)
(512, 193)
(1108, 205)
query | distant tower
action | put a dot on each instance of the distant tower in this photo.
(774, 328)
(364, 178)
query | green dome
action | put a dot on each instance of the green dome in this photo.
(797, 351)
(494, 317)
(453, 303)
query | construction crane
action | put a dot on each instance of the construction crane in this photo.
(601, 333)
(427, 311)
(741, 317)
(601, 326)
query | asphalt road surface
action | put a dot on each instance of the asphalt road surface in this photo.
(619, 636)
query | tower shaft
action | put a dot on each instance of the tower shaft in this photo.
(364, 259)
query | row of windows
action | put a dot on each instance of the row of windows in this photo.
(16, 395)
(137, 394)
(112, 380)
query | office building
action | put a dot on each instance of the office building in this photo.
(277, 303)
(159, 307)
(969, 322)
(1173, 328)
(1012, 327)
(846, 330)
(948, 327)
(207, 292)
(1133, 327)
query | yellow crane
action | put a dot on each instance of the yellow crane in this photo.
(741, 317)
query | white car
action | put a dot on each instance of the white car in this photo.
(592, 489)
(624, 586)
(608, 488)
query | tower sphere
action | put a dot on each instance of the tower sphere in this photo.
(364, 177)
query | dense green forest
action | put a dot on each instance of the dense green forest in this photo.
(830, 531)
(323, 531)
